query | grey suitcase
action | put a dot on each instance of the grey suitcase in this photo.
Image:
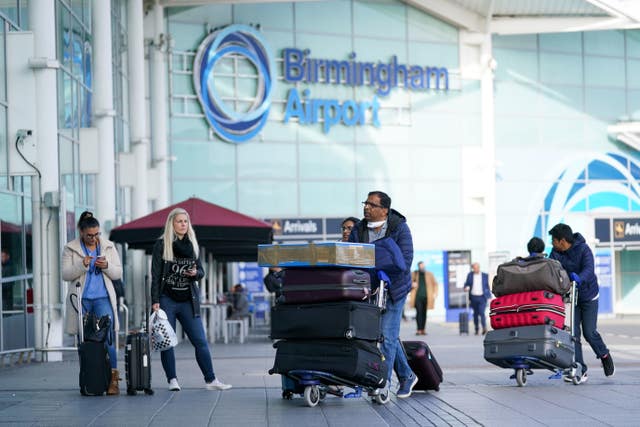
(539, 346)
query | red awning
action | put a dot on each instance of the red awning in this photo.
(228, 235)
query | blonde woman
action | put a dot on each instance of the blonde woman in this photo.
(175, 270)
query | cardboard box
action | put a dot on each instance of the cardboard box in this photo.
(339, 254)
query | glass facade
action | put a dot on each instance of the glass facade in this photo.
(556, 94)
(16, 277)
(292, 169)
(74, 45)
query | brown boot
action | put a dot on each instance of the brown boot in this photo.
(114, 388)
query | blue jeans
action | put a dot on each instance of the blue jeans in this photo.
(586, 319)
(390, 347)
(479, 305)
(192, 326)
(101, 307)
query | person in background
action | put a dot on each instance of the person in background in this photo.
(388, 230)
(346, 227)
(175, 268)
(535, 247)
(95, 263)
(424, 289)
(577, 259)
(477, 284)
(239, 303)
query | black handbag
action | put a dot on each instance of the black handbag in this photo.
(97, 329)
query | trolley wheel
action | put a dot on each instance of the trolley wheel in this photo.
(521, 377)
(311, 395)
(148, 392)
(382, 397)
(131, 392)
(287, 395)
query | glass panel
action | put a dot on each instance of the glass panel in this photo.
(332, 16)
(600, 71)
(3, 64)
(562, 42)
(607, 43)
(10, 10)
(11, 230)
(4, 152)
(369, 18)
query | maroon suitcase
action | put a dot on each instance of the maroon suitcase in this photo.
(527, 309)
(324, 284)
(424, 364)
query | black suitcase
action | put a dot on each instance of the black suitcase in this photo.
(324, 284)
(543, 347)
(95, 368)
(352, 360)
(344, 319)
(463, 322)
(137, 362)
(424, 364)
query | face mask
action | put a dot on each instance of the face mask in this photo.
(376, 224)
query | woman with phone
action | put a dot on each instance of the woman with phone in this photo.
(94, 263)
(175, 270)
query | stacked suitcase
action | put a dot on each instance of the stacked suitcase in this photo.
(528, 320)
(325, 320)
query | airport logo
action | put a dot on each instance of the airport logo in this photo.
(227, 52)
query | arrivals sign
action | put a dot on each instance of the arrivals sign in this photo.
(299, 67)
(626, 229)
(617, 230)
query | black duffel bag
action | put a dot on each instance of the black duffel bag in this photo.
(535, 273)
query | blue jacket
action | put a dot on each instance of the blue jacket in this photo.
(394, 252)
(485, 284)
(579, 259)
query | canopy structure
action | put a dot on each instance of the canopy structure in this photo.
(226, 234)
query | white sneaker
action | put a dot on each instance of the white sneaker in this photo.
(173, 385)
(217, 385)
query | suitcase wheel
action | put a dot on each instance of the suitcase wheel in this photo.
(148, 391)
(131, 392)
(287, 395)
(521, 377)
(382, 396)
(311, 395)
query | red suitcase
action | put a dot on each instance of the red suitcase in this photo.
(324, 284)
(424, 364)
(527, 309)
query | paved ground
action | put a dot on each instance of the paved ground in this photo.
(473, 393)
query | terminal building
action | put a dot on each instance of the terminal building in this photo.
(486, 121)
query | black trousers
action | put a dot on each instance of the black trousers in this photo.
(421, 313)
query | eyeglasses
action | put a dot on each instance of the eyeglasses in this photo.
(346, 228)
(93, 236)
(372, 205)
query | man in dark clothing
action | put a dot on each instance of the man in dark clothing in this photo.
(576, 258)
(388, 230)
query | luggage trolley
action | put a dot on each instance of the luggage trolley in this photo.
(523, 364)
(314, 385)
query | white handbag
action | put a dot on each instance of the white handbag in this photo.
(163, 337)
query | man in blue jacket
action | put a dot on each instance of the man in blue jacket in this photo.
(477, 284)
(388, 230)
(577, 259)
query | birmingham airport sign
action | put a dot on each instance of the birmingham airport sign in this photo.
(300, 67)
